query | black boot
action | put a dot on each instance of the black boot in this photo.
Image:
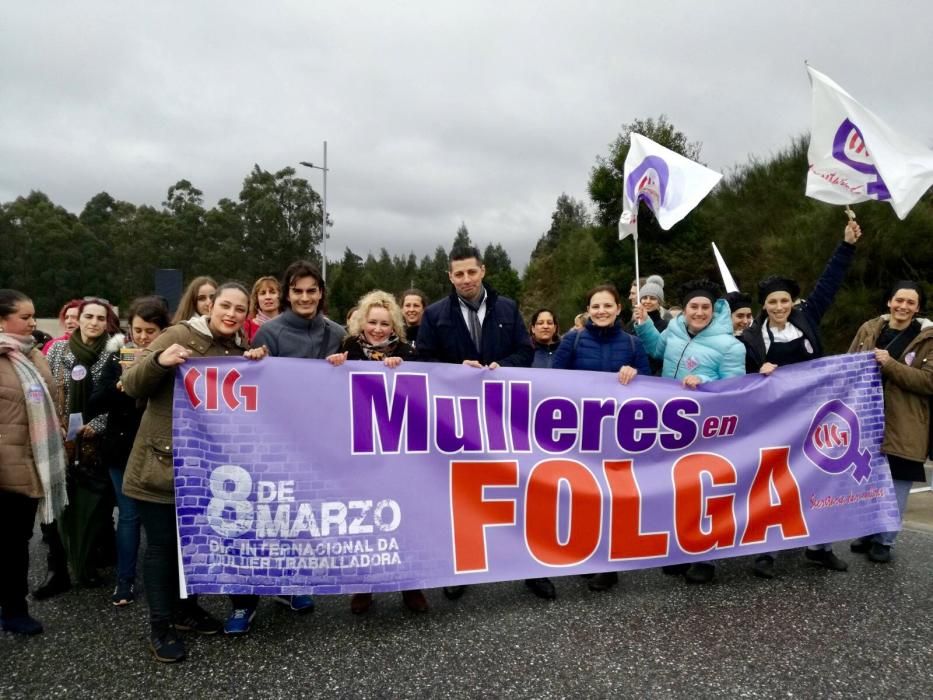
(57, 580)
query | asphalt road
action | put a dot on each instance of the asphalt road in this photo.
(811, 633)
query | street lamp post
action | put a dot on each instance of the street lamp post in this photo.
(324, 219)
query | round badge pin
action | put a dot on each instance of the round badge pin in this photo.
(78, 372)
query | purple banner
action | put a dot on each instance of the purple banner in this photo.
(293, 476)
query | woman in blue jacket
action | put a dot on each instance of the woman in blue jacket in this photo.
(602, 346)
(697, 346)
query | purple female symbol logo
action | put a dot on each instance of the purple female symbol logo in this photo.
(849, 148)
(648, 182)
(832, 442)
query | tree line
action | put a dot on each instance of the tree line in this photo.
(758, 217)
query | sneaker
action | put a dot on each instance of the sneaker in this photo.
(167, 647)
(861, 545)
(22, 624)
(124, 593)
(701, 572)
(298, 603)
(764, 566)
(826, 558)
(879, 553)
(239, 621)
(194, 618)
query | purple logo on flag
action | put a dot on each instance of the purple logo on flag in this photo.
(832, 442)
(648, 182)
(849, 148)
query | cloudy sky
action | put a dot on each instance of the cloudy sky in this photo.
(434, 112)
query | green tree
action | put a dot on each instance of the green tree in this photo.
(282, 218)
(432, 276)
(500, 274)
(462, 238)
(569, 215)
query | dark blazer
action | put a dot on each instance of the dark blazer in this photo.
(444, 336)
(807, 315)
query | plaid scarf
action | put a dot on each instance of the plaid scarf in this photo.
(48, 451)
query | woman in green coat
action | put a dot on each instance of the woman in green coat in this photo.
(149, 472)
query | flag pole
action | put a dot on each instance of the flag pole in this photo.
(637, 276)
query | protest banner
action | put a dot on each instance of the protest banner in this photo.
(294, 476)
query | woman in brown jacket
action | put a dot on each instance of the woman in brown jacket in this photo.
(149, 471)
(903, 346)
(32, 456)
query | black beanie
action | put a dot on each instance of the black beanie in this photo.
(738, 300)
(908, 284)
(699, 288)
(777, 284)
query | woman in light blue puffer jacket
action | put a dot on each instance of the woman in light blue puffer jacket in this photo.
(697, 346)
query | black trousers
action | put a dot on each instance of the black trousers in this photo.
(160, 563)
(17, 520)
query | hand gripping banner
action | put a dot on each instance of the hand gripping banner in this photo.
(293, 476)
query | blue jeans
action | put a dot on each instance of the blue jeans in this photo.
(901, 492)
(127, 529)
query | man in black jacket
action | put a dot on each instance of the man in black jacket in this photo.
(476, 327)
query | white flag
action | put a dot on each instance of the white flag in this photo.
(669, 184)
(727, 279)
(854, 156)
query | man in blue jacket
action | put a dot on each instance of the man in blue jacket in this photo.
(476, 327)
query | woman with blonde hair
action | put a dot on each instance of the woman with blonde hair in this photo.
(377, 332)
(197, 299)
(263, 304)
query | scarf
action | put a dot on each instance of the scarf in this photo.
(475, 327)
(48, 451)
(261, 317)
(85, 356)
(202, 324)
(378, 352)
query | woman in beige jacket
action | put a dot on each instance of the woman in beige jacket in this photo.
(32, 456)
(903, 347)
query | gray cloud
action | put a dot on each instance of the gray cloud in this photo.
(433, 112)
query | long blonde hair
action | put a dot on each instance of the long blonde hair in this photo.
(377, 298)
